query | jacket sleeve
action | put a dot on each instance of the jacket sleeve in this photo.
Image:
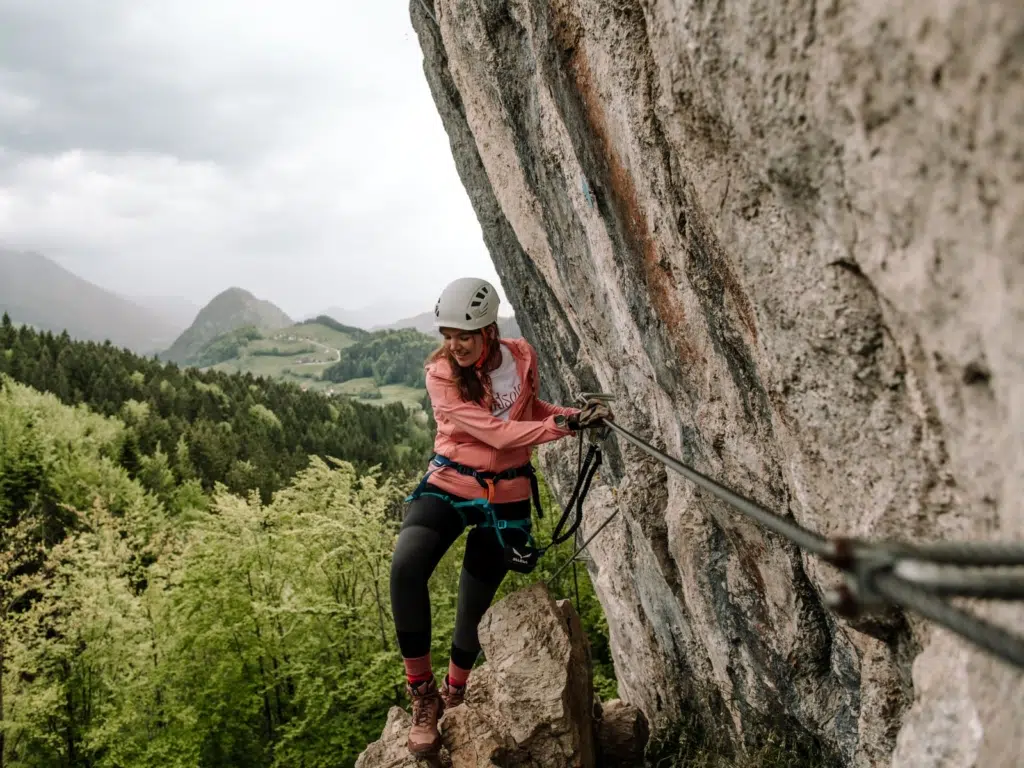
(477, 421)
(541, 408)
(545, 409)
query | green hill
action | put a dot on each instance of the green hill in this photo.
(297, 353)
(226, 312)
(332, 325)
(37, 291)
(378, 367)
(386, 357)
(323, 355)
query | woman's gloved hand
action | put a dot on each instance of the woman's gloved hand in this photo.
(593, 415)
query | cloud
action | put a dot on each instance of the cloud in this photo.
(291, 148)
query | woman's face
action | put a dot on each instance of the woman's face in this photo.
(466, 346)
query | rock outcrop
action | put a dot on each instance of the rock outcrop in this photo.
(622, 735)
(788, 237)
(530, 704)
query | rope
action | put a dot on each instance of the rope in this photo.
(586, 469)
(575, 554)
(911, 576)
(982, 553)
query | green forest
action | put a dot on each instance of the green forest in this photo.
(334, 325)
(388, 357)
(227, 346)
(195, 565)
(211, 427)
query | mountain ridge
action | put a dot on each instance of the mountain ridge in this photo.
(180, 312)
(37, 291)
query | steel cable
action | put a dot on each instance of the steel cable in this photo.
(802, 537)
(992, 638)
(912, 576)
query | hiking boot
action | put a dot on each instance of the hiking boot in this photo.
(427, 707)
(453, 695)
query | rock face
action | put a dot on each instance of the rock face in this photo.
(530, 704)
(788, 237)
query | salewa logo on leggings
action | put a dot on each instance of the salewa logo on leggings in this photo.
(503, 401)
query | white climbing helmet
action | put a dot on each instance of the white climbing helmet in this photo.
(468, 304)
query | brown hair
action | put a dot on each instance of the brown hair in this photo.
(474, 383)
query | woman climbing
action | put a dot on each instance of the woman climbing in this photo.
(483, 391)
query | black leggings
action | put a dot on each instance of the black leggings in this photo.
(431, 526)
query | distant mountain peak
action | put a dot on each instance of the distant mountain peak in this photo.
(229, 310)
(234, 292)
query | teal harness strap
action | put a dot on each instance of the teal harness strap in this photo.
(517, 557)
(525, 524)
(491, 519)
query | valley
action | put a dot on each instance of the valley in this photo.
(302, 353)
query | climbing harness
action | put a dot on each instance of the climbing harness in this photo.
(876, 574)
(519, 556)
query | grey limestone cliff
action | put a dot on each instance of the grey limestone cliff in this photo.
(789, 237)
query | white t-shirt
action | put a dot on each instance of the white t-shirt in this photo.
(505, 384)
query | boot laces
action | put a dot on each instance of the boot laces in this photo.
(422, 706)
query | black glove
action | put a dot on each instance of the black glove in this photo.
(593, 415)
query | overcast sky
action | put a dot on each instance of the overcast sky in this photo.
(179, 147)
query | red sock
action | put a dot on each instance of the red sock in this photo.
(457, 676)
(417, 670)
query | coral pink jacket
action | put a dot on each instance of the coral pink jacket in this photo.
(467, 433)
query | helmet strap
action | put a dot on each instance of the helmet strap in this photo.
(485, 333)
